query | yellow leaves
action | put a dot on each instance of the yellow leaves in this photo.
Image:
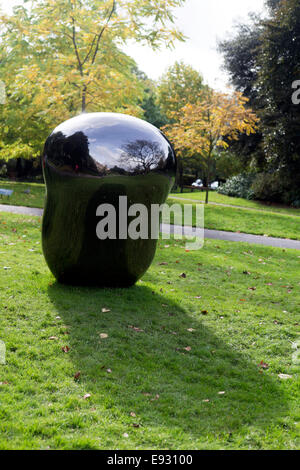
(202, 127)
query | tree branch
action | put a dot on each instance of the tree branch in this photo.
(102, 31)
(75, 47)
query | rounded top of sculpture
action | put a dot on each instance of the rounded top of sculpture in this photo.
(103, 144)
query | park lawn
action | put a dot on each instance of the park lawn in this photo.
(20, 198)
(215, 197)
(247, 221)
(37, 195)
(189, 362)
(233, 219)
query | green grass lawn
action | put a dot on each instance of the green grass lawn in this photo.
(35, 198)
(249, 221)
(188, 363)
(215, 197)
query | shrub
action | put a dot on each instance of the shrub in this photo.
(3, 170)
(238, 186)
(274, 187)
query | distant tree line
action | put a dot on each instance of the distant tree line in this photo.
(60, 58)
(263, 61)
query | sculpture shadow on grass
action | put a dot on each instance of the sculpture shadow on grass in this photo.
(153, 362)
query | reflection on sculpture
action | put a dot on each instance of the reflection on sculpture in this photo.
(90, 160)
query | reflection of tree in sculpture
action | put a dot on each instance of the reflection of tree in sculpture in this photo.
(142, 156)
(72, 153)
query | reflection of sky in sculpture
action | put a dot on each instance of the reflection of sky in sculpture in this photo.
(116, 141)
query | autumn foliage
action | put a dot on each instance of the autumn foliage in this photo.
(210, 124)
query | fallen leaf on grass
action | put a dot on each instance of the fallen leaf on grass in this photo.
(221, 393)
(188, 348)
(263, 365)
(285, 376)
(251, 288)
(133, 414)
(135, 328)
(77, 375)
(135, 425)
(155, 398)
(65, 349)
(53, 338)
(103, 335)
(163, 264)
(206, 401)
(87, 395)
(109, 371)
(105, 310)
(191, 330)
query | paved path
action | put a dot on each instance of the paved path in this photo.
(165, 228)
(233, 237)
(21, 210)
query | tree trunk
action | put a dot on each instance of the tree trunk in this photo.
(207, 185)
(83, 103)
(206, 198)
(181, 176)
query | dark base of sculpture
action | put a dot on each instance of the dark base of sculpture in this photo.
(72, 250)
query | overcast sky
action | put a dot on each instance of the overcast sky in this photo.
(203, 22)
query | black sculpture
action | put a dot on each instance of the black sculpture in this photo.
(94, 159)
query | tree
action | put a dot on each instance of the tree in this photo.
(209, 124)
(241, 55)
(180, 85)
(60, 57)
(151, 107)
(279, 67)
(263, 62)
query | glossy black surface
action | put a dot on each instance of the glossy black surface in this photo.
(90, 160)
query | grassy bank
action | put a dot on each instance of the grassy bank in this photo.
(173, 363)
(24, 194)
(217, 198)
(251, 221)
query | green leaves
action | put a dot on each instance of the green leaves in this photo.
(62, 57)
